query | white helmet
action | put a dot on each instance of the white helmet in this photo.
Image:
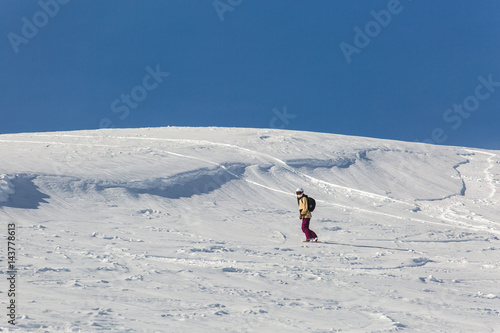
(299, 190)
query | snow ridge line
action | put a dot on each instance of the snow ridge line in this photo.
(462, 190)
(464, 187)
(223, 167)
(288, 167)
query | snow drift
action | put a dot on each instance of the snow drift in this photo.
(197, 229)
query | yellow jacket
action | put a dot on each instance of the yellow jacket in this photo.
(303, 208)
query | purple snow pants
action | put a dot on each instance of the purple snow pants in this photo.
(305, 228)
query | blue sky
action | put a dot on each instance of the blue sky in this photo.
(404, 70)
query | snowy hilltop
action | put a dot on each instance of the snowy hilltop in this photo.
(197, 230)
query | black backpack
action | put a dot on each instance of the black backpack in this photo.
(311, 203)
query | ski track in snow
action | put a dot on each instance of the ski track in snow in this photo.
(118, 255)
(487, 175)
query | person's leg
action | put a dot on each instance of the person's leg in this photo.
(313, 234)
(306, 230)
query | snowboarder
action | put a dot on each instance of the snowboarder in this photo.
(305, 216)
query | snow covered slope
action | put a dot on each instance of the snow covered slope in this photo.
(197, 230)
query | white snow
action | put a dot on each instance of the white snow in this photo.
(6, 188)
(197, 230)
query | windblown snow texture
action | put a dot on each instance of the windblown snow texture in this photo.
(197, 230)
